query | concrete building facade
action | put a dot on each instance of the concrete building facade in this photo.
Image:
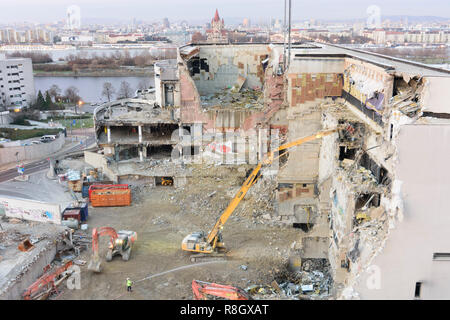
(354, 194)
(16, 83)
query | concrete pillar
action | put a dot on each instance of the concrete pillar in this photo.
(140, 133)
(108, 131)
(141, 155)
(144, 151)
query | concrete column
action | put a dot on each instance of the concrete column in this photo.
(108, 131)
(144, 151)
(140, 133)
(141, 154)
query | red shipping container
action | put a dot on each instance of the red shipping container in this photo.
(109, 195)
(72, 213)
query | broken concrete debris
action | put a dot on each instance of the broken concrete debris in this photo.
(336, 199)
(234, 98)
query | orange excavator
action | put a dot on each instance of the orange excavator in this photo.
(211, 245)
(47, 283)
(120, 242)
(202, 289)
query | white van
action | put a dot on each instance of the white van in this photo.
(48, 138)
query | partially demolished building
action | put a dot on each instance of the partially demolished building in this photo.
(370, 198)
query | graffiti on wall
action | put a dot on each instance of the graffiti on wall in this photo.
(31, 210)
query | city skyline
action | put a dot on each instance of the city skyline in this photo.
(115, 10)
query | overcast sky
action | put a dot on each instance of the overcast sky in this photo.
(194, 10)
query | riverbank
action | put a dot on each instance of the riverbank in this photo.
(146, 72)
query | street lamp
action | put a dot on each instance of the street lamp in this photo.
(80, 103)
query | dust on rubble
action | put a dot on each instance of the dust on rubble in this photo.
(209, 190)
(163, 216)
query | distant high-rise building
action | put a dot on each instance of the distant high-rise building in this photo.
(73, 17)
(12, 35)
(133, 25)
(166, 23)
(246, 23)
(277, 25)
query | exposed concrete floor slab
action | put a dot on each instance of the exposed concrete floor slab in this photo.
(19, 269)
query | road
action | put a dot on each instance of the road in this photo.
(43, 164)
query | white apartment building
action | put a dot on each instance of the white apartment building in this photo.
(16, 83)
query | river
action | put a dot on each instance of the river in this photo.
(90, 88)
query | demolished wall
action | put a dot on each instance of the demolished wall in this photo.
(221, 65)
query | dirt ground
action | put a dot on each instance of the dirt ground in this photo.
(161, 220)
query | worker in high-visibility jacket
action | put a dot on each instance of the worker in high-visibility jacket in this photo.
(129, 284)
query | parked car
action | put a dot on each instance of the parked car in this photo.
(35, 142)
(46, 139)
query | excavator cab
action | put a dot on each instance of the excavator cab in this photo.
(198, 242)
(120, 242)
(195, 241)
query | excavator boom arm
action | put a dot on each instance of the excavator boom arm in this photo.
(252, 179)
(297, 142)
(234, 203)
(97, 232)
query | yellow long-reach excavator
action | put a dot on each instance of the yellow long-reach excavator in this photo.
(211, 245)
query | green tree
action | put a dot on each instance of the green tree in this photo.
(48, 101)
(40, 101)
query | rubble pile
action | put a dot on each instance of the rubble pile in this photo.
(209, 191)
(312, 282)
(138, 193)
(8, 238)
(26, 242)
(246, 98)
(368, 237)
(262, 198)
(359, 177)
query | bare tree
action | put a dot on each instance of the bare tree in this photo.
(108, 90)
(144, 84)
(71, 94)
(54, 92)
(125, 90)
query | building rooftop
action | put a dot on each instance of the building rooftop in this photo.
(387, 62)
